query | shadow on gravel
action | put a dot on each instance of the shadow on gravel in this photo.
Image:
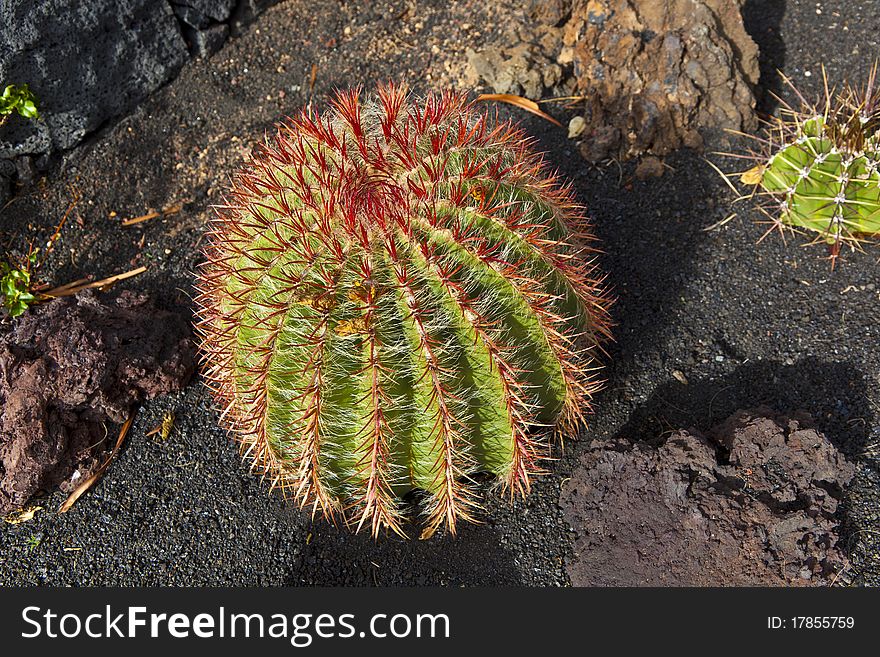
(762, 19)
(651, 233)
(473, 558)
(833, 393)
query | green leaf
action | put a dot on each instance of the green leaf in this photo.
(19, 99)
(16, 308)
(15, 294)
(28, 109)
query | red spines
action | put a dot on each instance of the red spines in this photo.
(352, 183)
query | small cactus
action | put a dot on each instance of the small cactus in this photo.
(395, 298)
(820, 167)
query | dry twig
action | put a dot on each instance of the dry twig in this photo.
(83, 284)
(89, 481)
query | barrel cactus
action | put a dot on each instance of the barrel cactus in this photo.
(396, 297)
(819, 168)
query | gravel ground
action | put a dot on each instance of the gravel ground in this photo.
(745, 324)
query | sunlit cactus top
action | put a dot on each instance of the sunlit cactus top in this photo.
(819, 168)
(397, 297)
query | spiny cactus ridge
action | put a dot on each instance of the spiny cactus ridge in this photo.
(396, 297)
(819, 167)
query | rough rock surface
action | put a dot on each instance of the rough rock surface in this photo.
(519, 68)
(752, 504)
(69, 367)
(523, 60)
(737, 321)
(86, 62)
(658, 72)
(655, 74)
(202, 13)
(89, 62)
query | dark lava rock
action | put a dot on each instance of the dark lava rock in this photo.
(91, 62)
(70, 366)
(752, 504)
(206, 42)
(85, 61)
(201, 13)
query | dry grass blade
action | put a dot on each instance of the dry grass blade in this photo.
(142, 218)
(57, 234)
(519, 101)
(82, 284)
(719, 224)
(164, 212)
(567, 101)
(89, 481)
(722, 174)
(72, 284)
(557, 99)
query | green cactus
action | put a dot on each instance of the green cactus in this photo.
(396, 297)
(820, 169)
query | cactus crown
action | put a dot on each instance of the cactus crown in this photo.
(820, 167)
(396, 298)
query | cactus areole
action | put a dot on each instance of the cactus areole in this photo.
(396, 297)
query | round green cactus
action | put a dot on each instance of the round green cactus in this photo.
(826, 190)
(396, 297)
(821, 169)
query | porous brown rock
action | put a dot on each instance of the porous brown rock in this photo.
(657, 73)
(753, 503)
(70, 368)
(519, 69)
(655, 76)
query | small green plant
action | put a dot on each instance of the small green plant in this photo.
(15, 286)
(33, 542)
(15, 280)
(18, 98)
(18, 289)
(398, 296)
(819, 166)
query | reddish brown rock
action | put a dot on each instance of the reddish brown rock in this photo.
(753, 503)
(70, 368)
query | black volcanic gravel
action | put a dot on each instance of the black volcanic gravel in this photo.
(745, 324)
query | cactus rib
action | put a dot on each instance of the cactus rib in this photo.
(818, 168)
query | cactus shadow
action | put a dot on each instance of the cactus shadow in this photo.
(651, 234)
(762, 20)
(336, 557)
(834, 394)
